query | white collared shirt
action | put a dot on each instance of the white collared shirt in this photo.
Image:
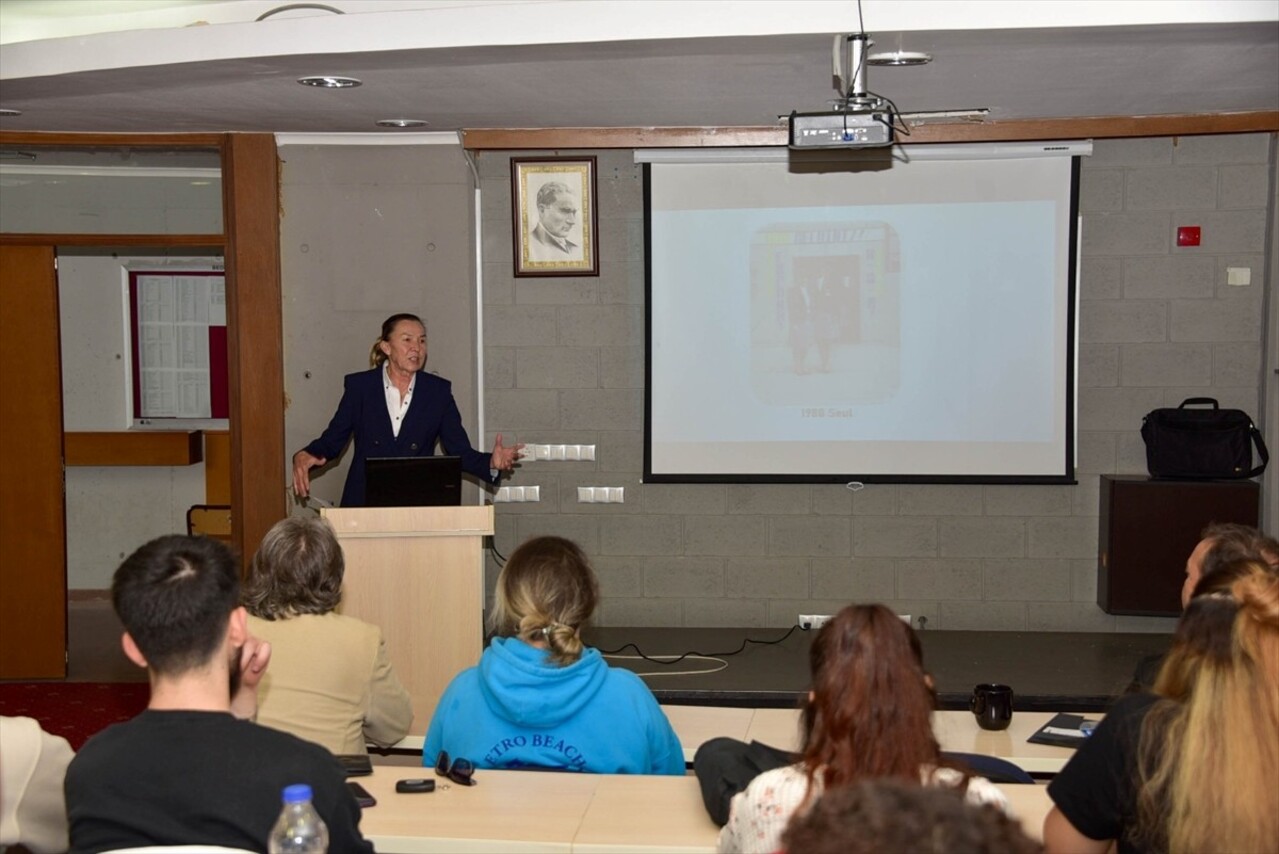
(395, 406)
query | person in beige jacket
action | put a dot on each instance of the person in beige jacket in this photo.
(330, 680)
(33, 809)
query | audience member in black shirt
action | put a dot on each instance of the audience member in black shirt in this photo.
(189, 770)
(1193, 767)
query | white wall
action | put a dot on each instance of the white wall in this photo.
(111, 510)
(366, 232)
(39, 199)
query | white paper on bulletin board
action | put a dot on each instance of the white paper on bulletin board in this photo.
(177, 314)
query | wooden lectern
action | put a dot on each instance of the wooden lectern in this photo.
(418, 573)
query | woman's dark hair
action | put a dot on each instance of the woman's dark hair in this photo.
(869, 711)
(1231, 543)
(1235, 548)
(297, 570)
(376, 356)
(546, 592)
(875, 816)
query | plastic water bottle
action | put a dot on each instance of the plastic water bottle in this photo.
(299, 827)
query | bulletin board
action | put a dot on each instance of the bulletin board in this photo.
(179, 340)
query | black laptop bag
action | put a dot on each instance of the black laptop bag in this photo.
(1202, 443)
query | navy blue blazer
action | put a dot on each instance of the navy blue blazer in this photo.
(432, 415)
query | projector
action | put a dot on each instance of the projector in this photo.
(841, 129)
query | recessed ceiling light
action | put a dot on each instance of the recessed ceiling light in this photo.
(329, 81)
(6, 113)
(400, 123)
(900, 57)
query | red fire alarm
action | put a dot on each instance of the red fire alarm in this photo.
(1187, 235)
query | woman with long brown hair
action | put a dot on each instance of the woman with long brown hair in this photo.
(1193, 767)
(868, 716)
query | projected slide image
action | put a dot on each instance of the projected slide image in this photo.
(905, 323)
(825, 313)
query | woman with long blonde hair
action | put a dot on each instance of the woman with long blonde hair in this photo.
(1192, 768)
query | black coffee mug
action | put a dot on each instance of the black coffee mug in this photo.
(993, 706)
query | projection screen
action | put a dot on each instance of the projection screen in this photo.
(911, 322)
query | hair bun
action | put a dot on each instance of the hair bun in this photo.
(1258, 596)
(564, 640)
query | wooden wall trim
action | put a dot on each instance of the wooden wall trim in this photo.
(255, 328)
(1099, 127)
(134, 140)
(13, 238)
(1095, 127)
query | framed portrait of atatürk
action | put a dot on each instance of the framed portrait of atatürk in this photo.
(553, 214)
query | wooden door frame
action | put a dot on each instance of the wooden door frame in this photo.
(251, 246)
(33, 625)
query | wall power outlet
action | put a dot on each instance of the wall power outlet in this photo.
(813, 621)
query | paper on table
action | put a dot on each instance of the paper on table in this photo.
(1063, 730)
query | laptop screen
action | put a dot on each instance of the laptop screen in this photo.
(412, 481)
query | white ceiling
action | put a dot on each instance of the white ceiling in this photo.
(626, 64)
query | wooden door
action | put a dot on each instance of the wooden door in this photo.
(33, 544)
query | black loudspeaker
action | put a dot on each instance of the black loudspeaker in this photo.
(1148, 529)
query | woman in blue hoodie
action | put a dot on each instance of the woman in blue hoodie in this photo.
(540, 698)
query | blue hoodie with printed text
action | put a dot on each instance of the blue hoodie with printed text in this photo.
(518, 709)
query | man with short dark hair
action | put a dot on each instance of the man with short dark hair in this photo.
(1223, 543)
(191, 769)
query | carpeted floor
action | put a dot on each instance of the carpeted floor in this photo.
(102, 687)
(74, 710)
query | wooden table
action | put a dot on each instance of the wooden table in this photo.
(646, 814)
(1029, 805)
(956, 732)
(696, 725)
(540, 811)
(537, 811)
(505, 811)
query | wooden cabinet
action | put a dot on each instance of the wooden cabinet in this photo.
(1148, 529)
(134, 448)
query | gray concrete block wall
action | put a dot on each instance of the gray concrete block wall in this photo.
(365, 232)
(1157, 323)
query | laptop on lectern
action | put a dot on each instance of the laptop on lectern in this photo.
(412, 481)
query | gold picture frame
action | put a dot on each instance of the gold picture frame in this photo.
(554, 217)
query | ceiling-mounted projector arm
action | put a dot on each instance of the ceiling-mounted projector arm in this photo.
(855, 48)
(860, 118)
(849, 61)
